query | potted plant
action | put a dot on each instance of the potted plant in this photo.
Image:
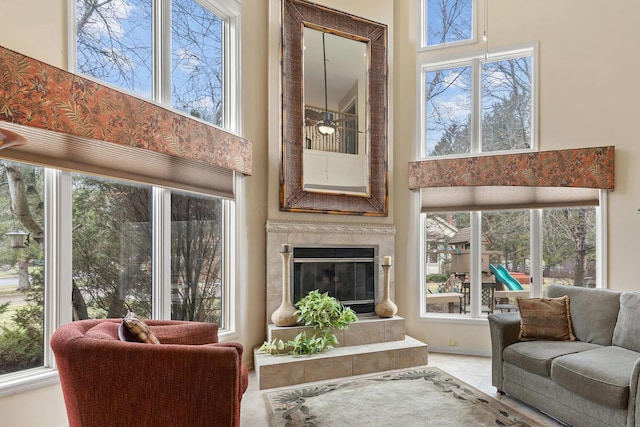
(324, 314)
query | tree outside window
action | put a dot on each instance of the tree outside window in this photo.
(115, 43)
(447, 21)
(504, 114)
(568, 242)
(21, 268)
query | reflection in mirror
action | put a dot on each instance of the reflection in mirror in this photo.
(335, 157)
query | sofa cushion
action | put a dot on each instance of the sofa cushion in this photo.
(601, 375)
(594, 312)
(627, 331)
(536, 356)
(545, 319)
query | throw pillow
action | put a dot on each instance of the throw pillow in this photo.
(545, 319)
(134, 329)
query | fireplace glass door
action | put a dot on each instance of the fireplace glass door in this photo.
(348, 274)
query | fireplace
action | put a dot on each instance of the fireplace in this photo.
(379, 237)
(346, 273)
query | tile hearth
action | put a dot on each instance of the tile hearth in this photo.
(369, 345)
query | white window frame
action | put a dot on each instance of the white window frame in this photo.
(422, 28)
(475, 61)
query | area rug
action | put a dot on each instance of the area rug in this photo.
(422, 396)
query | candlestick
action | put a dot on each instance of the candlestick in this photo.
(285, 314)
(386, 307)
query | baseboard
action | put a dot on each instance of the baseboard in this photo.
(459, 350)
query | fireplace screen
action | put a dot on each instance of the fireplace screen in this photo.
(348, 274)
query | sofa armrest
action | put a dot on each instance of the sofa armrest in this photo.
(633, 414)
(504, 329)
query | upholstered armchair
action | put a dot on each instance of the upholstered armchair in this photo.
(189, 379)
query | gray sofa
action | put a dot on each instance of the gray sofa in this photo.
(592, 381)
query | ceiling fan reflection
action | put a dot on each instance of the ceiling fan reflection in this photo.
(324, 121)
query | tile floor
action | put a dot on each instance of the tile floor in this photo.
(473, 370)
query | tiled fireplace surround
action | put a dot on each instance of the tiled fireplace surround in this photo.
(322, 234)
(370, 345)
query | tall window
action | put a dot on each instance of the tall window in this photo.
(197, 250)
(21, 267)
(484, 103)
(126, 43)
(112, 256)
(163, 253)
(112, 252)
(115, 235)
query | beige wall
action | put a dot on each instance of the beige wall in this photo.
(587, 98)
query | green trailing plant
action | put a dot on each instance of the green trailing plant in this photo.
(321, 312)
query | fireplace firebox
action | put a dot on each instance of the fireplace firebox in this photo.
(346, 273)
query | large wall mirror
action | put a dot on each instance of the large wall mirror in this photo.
(334, 111)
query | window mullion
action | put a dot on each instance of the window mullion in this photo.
(536, 246)
(162, 51)
(58, 255)
(601, 241)
(476, 263)
(476, 111)
(161, 250)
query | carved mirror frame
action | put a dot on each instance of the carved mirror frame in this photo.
(296, 14)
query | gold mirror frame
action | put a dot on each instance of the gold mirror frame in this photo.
(296, 14)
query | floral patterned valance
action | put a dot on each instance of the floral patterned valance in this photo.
(580, 168)
(39, 95)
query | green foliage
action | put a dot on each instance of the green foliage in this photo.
(275, 346)
(323, 313)
(436, 278)
(22, 345)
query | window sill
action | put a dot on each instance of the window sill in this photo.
(30, 379)
(454, 318)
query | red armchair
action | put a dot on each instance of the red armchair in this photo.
(188, 380)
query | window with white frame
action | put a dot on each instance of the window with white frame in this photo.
(476, 262)
(114, 236)
(89, 247)
(177, 52)
(507, 240)
(22, 259)
(447, 22)
(477, 105)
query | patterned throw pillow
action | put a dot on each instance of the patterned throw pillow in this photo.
(545, 319)
(134, 329)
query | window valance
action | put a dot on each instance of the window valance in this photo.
(508, 181)
(101, 128)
